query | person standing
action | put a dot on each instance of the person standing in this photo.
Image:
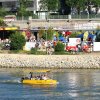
(30, 75)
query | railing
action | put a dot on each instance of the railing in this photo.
(58, 16)
(82, 16)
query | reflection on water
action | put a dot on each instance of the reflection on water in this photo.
(44, 86)
(73, 85)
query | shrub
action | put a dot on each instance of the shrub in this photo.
(73, 35)
(33, 51)
(2, 23)
(17, 41)
(59, 47)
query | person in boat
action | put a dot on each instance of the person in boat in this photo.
(22, 79)
(30, 75)
(44, 77)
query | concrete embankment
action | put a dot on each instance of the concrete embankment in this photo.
(50, 61)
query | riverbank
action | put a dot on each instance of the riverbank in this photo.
(91, 60)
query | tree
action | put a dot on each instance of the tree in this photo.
(65, 6)
(41, 32)
(48, 35)
(81, 5)
(2, 12)
(22, 9)
(49, 5)
(96, 4)
(88, 4)
(17, 41)
(2, 23)
(78, 4)
(65, 9)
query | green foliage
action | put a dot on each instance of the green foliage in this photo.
(74, 35)
(59, 47)
(41, 31)
(76, 3)
(22, 9)
(2, 12)
(80, 5)
(50, 5)
(17, 41)
(62, 53)
(48, 35)
(33, 51)
(2, 23)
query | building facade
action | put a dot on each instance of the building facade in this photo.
(33, 5)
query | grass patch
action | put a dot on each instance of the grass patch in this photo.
(62, 53)
(36, 52)
(19, 52)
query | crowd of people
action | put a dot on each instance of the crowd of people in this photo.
(48, 45)
(4, 44)
(62, 36)
(45, 44)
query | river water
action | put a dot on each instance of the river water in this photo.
(73, 85)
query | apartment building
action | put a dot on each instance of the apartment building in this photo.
(9, 5)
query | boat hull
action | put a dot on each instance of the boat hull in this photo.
(40, 82)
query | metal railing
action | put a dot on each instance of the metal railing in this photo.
(82, 16)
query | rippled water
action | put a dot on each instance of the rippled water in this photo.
(73, 85)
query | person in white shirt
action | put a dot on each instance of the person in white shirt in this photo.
(44, 77)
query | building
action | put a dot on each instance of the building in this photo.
(9, 5)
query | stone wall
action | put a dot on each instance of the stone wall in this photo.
(50, 61)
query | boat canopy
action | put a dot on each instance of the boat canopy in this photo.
(38, 70)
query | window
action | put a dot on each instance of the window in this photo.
(30, 4)
(0, 4)
(9, 4)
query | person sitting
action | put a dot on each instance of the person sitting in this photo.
(44, 77)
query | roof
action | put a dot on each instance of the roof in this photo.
(38, 70)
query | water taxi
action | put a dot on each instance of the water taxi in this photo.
(35, 81)
(40, 82)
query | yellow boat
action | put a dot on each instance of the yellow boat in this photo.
(40, 82)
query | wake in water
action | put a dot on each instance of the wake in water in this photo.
(10, 81)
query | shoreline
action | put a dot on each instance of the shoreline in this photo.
(86, 61)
